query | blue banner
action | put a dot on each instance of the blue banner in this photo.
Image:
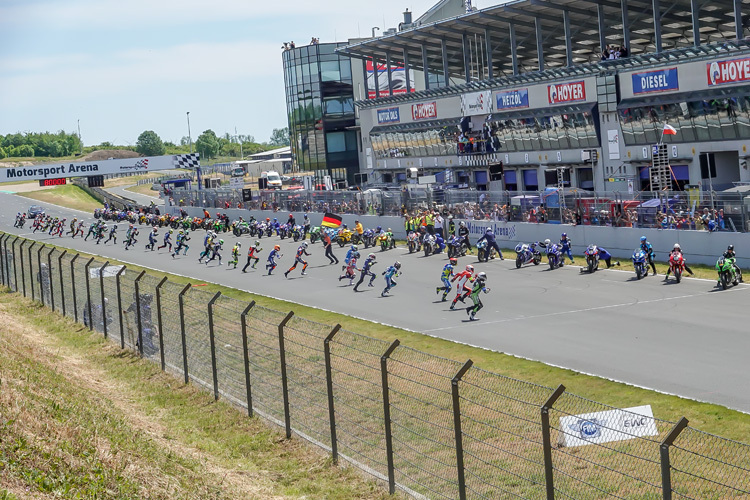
(655, 81)
(508, 99)
(390, 115)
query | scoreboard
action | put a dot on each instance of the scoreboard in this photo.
(53, 182)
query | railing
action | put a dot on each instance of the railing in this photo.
(686, 210)
(429, 426)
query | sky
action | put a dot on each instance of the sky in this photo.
(122, 67)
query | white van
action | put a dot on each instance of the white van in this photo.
(273, 179)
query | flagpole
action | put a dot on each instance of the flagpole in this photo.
(661, 140)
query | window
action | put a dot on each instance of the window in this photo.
(329, 71)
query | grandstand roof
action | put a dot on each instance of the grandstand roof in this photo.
(541, 25)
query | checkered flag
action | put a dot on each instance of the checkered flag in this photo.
(191, 160)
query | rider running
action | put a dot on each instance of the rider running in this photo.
(73, 226)
(152, 239)
(480, 285)
(101, 232)
(215, 251)
(167, 240)
(366, 271)
(252, 253)
(567, 244)
(235, 255)
(275, 254)
(351, 269)
(112, 235)
(676, 249)
(649, 251)
(464, 279)
(79, 230)
(445, 276)
(302, 250)
(390, 273)
(130, 236)
(352, 250)
(92, 230)
(208, 242)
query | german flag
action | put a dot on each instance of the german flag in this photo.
(331, 220)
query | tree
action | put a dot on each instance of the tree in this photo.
(3, 154)
(185, 141)
(280, 136)
(207, 144)
(149, 144)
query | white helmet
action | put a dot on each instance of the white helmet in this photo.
(547, 242)
(304, 244)
(677, 247)
(482, 276)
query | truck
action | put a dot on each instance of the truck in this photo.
(273, 179)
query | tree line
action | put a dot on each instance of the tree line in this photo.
(39, 144)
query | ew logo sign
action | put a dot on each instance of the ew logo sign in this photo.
(733, 71)
(566, 92)
(607, 426)
(424, 111)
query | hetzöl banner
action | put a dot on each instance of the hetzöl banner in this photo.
(566, 92)
(730, 71)
(99, 167)
(508, 99)
(424, 111)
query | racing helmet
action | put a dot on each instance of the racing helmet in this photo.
(354, 248)
(453, 261)
(257, 243)
(730, 248)
(643, 239)
(389, 230)
(221, 242)
(470, 268)
(482, 276)
(462, 223)
(304, 244)
(371, 256)
(547, 242)
(564, 235)
(276, 247)
(356, 255)
(131, 225)
(379, 229)
(677, 247)
(397, 265)
(239, 245)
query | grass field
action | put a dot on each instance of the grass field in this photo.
(144, 189)
(70, 196)
(706, 417)
(79, 418)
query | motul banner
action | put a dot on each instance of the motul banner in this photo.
(566, 92)
(476, 103)
(424, 111)
(731, 71)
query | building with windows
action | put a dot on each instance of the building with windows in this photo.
(320, 108)
(564, 93)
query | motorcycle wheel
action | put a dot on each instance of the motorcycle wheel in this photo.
(519, 262)
(724, 280)
(411, 247)
(677, 275)
(427, 251)
(592, 266)
(537, 260)
(236, 233)
(638, 273)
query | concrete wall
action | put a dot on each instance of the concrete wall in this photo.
(698, 246)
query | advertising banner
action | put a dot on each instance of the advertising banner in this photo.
(613, 143)
(390, 115)
(424, 111)
(398, 80)
(607, 426)
(476, 103)
(509, 99)
(98, 167)
(566, 92)
(655, 81)
(730, 71)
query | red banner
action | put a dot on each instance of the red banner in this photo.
(424, 111)
(732, 71)
(566, 92)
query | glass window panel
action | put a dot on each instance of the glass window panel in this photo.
(526, 132)
(543, 133)
(698, 118)
(712, 118)
(336, 142)
(743, 116)
(570, 130)
(536, 143)
(727, 110)
(329, 71)
(627, 127)
(345, 68)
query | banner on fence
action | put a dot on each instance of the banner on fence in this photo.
(607, 426)
(109, 271)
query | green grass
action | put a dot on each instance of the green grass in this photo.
(707, 417)
(69, 196)
(80, 418)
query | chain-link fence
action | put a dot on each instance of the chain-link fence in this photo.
(428, 426)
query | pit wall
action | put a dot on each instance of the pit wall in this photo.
(698, 246)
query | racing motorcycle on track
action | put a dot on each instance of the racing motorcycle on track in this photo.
(677, 265)
(456, 247)
(592, 258)
(527, 254)
(315, 235)
(412, 242)
(482, 253)
(554, 256)
(368, 238)
(429, 246)
(639, 263)
(728, 273)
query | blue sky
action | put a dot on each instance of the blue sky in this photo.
(122, 67)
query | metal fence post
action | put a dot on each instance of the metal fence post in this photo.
(119, 307)
(160, 321)
(457, 429)
(329, 387)
(284, 381)
(246, 355)
(62, 287)
(138, 311)
(104, 306)
(39, 267)
(51, 280)
(181, 301)
(3, 257)
(547, 441)
(31, 274)
(88, 293)
(73, 283)
(387, 415)
(212, 341)
(15, 267)
(5, 266)
(666, 468)
(23, 271)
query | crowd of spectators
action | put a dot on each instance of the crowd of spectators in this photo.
(614, 52)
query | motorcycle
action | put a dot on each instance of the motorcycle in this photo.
(639, 263)
(592, 258)
(344, 237)
(383, 239)
(526, 254)
(554, 256)
(314, 234)
(456, 247)
(728, 272)
(412, 242)
(368, 238)
(240, 228)
(428, 245)
(482, 254)
(297, 232)
(677, 265)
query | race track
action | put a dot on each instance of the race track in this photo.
(689, 339)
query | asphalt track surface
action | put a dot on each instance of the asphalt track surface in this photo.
(689, 339)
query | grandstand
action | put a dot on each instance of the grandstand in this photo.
(532, 94)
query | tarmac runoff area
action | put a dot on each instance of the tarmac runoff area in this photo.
(690, 339)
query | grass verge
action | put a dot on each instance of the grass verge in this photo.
(79, 418)
(69, 196)
(707, 417)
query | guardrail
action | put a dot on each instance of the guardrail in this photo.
(429, 426)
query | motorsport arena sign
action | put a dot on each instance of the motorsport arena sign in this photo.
(101, 167)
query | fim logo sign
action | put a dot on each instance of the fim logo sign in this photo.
(587, 428)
